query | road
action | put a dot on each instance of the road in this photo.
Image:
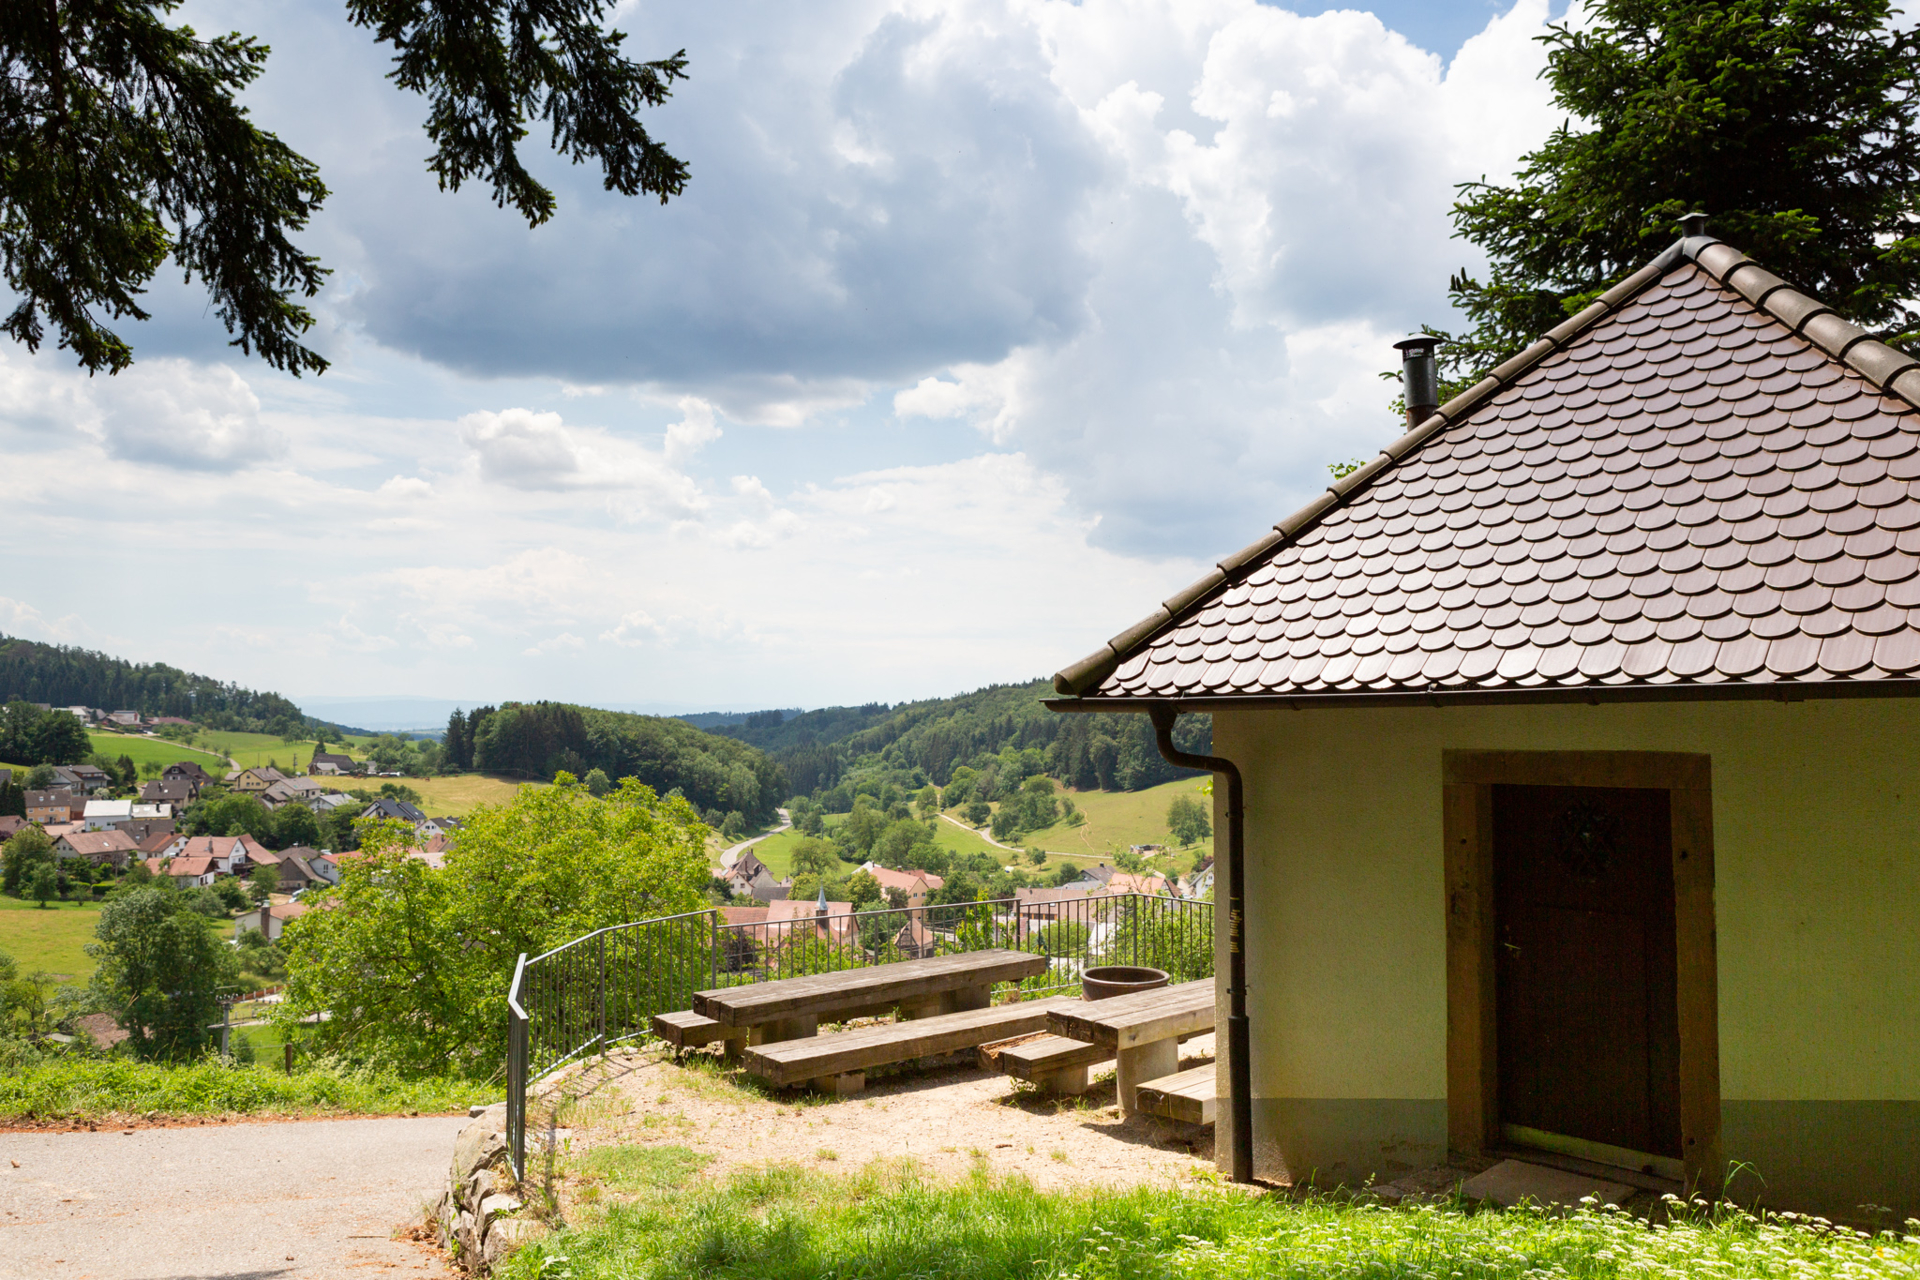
(304, 1200)
(728, 855)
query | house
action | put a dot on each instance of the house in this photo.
(297, 871)
(186, 873)
(230, 855)
(140, 828)
(748, 877)
(327, 801)
(1046, 905)
(791, 921)
(328, 763)
(11, 826)
(189, 772)
(82, 778)
(1151, 883)
(111, 847)
(1577, 740)
(178, 792)
(326, 865)
(255, 780)
(915, 884)
(123, 717)
(272, 920)
(55, 830)
(394, 811)
(160, 844)
(1200, 881)
(100, 815)
(440, 826)
(914, 940)
(52, 805)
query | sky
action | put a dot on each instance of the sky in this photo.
(982, 327)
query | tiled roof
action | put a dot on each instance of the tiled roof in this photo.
(1705, 485)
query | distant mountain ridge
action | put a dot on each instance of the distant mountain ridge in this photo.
(63, 676)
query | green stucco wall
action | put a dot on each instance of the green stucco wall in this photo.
(1817, 848)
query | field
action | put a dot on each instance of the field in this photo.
(777, 851)
(1119, 819)
(52, 940)
(454, 797)
(143, 750)
(250, 750)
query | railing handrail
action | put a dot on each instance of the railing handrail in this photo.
(616, 928)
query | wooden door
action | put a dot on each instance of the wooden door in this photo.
(1588, 1035)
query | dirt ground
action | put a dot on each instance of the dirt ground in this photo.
(951, 1119)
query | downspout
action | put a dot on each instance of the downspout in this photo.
(1239, 1067)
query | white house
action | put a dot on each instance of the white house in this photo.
(103, 815)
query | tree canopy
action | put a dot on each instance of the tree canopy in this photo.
(161, 970)
(414, 962)
(1789, 122)
(123, 144)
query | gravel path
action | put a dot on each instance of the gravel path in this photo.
(300, 1200)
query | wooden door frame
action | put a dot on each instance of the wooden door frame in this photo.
(1473, 1075)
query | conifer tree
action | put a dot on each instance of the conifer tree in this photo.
(1791, 123)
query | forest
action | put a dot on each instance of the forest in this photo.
(718, 775)
(828, 753)
(61, 676)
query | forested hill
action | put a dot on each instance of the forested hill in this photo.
(822, 749)
(538, 739)
(64, 677)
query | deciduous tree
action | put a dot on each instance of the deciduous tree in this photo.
(160, 971)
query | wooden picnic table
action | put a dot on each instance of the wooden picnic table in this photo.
(1143, 1030)
(791, 1008)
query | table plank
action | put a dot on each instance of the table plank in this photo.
(904, 982)
(1125, 1022)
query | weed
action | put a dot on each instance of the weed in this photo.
(826, 1153)
(1059, 1155)
(663, 1168)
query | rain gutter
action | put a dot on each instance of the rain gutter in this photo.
(1239, 1039)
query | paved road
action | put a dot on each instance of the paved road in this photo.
(310, 1200)
(728, 855)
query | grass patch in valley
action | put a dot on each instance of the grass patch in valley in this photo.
(1117, 820)
(53, 940)
(87, 1088)
(449, 797)
(889, 1222)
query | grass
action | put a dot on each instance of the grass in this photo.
(52, 940)
(143, 750)
(1117, 820)
(888, 1222)
(777, 853)
(251, 750)
(453, 797)
(86, 1088)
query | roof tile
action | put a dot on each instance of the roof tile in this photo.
(1686, 492)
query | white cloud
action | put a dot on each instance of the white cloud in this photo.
(566, 640)
(176, 414)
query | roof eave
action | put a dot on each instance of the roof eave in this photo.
(1506, 695)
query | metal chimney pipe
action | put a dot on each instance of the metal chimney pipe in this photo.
(1419, 376)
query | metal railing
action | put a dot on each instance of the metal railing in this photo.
(606, 987)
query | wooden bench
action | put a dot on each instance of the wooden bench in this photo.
(687, 1029)
(1142, 1030)
(1185, 1095)
(791, 1008)
(838, 1063)
(1055, 1063)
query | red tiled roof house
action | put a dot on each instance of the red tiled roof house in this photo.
(1581, 771)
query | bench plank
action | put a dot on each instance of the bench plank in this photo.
(794, 1061)
(1187, 1095)
(686, 1028)
(1037, 1059)
(909, 982)
(1126, 1022)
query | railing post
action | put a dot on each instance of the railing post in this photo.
(601, 988)
(517, 1046)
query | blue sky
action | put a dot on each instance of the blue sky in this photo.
(982, 326)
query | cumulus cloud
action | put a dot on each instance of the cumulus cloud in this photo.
(539, 453)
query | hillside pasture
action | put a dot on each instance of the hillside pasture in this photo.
(450, 797)
(1117, 820)
(144, 750)
(251, 750)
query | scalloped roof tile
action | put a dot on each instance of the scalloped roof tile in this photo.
(1682, 488)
